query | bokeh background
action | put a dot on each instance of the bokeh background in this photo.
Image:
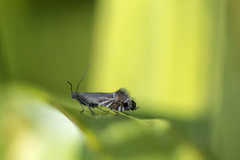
(178, 59)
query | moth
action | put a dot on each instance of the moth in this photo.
(118, 101)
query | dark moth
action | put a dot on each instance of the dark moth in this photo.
(116, 101)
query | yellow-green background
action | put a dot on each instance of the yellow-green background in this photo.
(179, 59)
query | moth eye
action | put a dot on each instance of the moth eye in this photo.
(125, 104)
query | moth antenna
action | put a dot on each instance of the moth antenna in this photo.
(70, 85)
(82, 78)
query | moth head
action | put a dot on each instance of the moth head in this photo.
(74, 95)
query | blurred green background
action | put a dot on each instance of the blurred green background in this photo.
(178, 59)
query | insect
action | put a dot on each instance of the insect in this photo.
(116, 101)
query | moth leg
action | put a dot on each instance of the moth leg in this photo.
(115, 111)
(109, 104)
(121, 109)
(103, 103)
(102, 109)
(82, 108)
(126, 113)
(90, 109)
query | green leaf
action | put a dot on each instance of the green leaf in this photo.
(108, 135)
(118, 136)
